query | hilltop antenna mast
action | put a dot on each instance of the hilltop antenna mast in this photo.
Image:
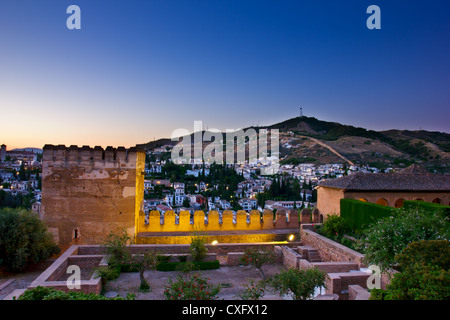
(301, 112)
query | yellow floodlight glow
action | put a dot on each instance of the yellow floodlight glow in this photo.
(215, 242)
(291, 237)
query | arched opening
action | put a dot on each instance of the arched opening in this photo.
(419, 199)
(321, 218)
(382, 202)
(437, 200)
(399, 203)
(76, 233)
(362, 199)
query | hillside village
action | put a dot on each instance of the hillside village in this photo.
(192, 192)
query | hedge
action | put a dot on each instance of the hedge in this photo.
(427, 206)
(201, 265)
(359, 214)
(172, 266)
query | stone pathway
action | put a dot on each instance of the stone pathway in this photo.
(12, 281)
(19, 281)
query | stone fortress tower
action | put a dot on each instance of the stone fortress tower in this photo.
(88, 192)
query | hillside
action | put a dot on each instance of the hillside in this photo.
(307, 139)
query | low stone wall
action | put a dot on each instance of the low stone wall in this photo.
(228, 236)
(52, 276)
(338, 283)
(291, 258)
(356, 292)
(220, 248)
(328, 249)
(335, 267)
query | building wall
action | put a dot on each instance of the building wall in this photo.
(91, 190)
(328, 201)
(394, 197)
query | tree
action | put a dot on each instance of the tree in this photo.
(191, 287)
(142, 262)
(300, 283)
(22, 173)
(387, 237)
(424, 275)
(198, 249)
(45, 293)
(252, 290)
(334, 226)
(258, 258)
(186, 202)
(116, 247)
(24, 239)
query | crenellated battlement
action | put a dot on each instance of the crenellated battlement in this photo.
(85, 155)
(215, 221)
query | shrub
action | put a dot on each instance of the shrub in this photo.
(198, 265)
(427, 206)
(420, 282)
(334, 225)
(424, 275)
(193, 287)
(389, 236)
(258, 258)
(252, 290)
(198, 249)
(24, 239)
(162, 259)
(116, 245)
(300, 283)
(108, 273)
(377, 294)
(45, 293)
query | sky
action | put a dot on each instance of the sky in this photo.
(138, 70)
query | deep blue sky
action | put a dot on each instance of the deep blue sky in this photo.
(137, 70)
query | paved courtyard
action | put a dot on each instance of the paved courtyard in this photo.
(230, 277)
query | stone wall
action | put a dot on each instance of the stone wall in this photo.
(330, 250)
(338, 283)
(239, 236)
(291, 258)
(87, 192)
(241, 220)
(55, 275)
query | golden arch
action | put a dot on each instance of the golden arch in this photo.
(382, 202)
(399, 203)
(362, 199)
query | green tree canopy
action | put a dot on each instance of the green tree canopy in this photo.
(24, 239)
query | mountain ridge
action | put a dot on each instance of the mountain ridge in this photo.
(302, 139)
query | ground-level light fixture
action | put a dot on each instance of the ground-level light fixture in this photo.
(291, 237)
(215, 242)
